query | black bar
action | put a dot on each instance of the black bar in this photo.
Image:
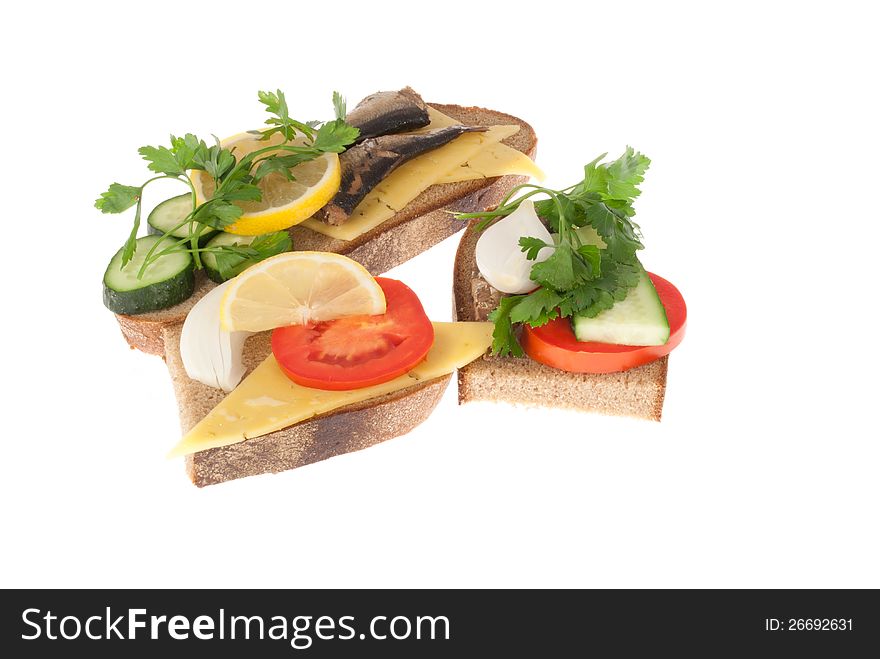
(518, 623)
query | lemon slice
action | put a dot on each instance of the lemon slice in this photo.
(296, 288)
(284, 202)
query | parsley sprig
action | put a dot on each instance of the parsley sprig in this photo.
(233, 259)
(588, 271)
(234, 180)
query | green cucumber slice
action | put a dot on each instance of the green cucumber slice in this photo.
(168, 281)
(170, 213)
(638, 320)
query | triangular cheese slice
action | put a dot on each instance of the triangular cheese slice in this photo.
(267, 400)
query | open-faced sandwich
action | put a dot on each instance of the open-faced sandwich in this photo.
(579, 323)
(299, 216)
(338, 361)
(376, 184)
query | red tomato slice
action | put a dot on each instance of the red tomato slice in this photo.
(554, 344)
(357, 351)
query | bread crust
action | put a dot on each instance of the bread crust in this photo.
(637, 392)
(345, 430)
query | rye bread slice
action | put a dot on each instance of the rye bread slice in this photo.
(421, 224)
(346, 429)
(638, 392)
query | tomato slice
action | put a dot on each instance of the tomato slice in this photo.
(554, 344)
(357, 351)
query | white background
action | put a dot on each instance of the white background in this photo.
(761, 120)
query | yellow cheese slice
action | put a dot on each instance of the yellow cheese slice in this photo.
(494, 160)
(267, 400)
(437, 119)
(409, 181)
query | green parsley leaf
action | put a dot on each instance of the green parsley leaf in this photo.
(234, 259)
(625, 173)
(531, 246)
(617, 232)
(270, 244)
(537, 308)
(600, 294)
(118, 198)
(504, 341)
(130, 246)
(186, 149)
(276, 105)
(564, 270)
(161, 159)
(339, 106)
(215, 160)
(218, 214)
(595, 178)
(572, 210)
(282, 164)
(282, 122)
(334, 136)
(240, 191)
(593, 257)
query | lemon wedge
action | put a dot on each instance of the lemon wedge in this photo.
(284, 202)
(297, 288)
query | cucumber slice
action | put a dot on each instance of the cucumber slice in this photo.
(168, 281)
(170, 213)
(209, 259)
(638, 320)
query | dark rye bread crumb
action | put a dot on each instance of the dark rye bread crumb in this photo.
(638, 392)
(421, 224)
